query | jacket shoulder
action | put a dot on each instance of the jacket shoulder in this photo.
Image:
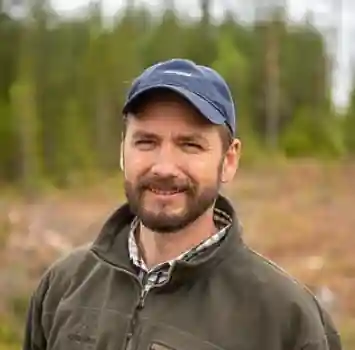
(284, 285)
(58, 276)
(299, 307)
(67, 265)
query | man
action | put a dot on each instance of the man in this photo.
(169, 269)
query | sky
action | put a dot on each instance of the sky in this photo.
(327, 13)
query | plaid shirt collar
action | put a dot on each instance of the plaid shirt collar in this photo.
(222, 220)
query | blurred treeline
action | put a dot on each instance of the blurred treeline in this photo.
(63, 81)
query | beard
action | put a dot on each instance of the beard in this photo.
(162, 219)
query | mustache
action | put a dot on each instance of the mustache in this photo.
(166, 183)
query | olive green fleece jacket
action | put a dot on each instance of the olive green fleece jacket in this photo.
(231, 298)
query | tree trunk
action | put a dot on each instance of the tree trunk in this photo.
(23, 99)
(272, 92)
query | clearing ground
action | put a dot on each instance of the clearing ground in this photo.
(299, 214)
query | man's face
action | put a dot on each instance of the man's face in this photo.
(173, 163)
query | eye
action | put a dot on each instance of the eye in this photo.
(192, 146)
(144, 144)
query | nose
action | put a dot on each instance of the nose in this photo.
(165, 163)
(164, 168)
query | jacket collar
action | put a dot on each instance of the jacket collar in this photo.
(111, 245)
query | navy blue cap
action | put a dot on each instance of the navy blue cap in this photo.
(202, 86)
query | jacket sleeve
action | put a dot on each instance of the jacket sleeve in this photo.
(331, 339)
(332, 335)
(34, 338)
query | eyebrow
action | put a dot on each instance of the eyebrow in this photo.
(183, 137)
(144, 134)
(194, 136)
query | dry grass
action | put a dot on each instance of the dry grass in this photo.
(300, 214)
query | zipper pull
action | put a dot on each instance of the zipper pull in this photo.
(142, 298)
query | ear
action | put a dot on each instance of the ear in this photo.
(231, 161)
(122, 156)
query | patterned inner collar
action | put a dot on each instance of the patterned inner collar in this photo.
(222, 221)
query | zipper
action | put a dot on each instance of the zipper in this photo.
(128, 343)
(143, 292)
(131, 337)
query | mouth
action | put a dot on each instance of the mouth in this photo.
(161, 192)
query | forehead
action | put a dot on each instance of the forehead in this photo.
(164, 108)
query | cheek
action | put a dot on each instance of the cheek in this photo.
(134, 165)
(204, 171)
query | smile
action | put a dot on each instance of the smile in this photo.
(164, 192)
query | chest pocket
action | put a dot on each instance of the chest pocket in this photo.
(168, 338)
(158, 346)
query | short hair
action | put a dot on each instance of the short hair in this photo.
(226, 137)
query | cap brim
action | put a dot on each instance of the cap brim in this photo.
(204, 107)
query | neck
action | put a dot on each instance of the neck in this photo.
(158, 248)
